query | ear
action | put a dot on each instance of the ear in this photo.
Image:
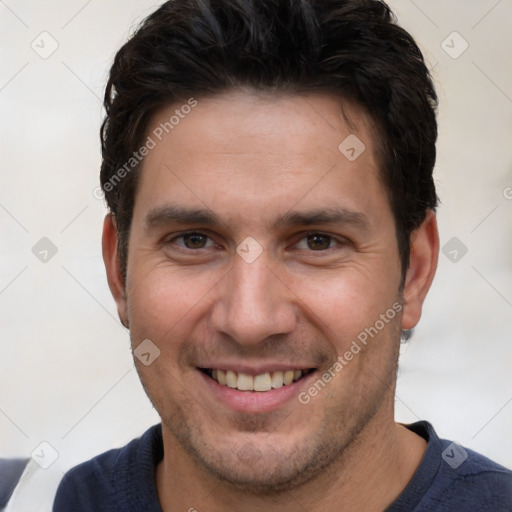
(422, 268)
(112, 266)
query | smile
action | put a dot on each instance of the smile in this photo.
(260, 383)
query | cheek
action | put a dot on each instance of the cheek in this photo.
(160, 299)
(346, 302)
(360, 319)
(165, 307)
(164, 303)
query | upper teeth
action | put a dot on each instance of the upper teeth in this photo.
(263, 382)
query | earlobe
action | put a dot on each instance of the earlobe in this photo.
(422, 268)
(112, 266)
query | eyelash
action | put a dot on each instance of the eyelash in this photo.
(337, 240)
(332, 238)
(199, 233)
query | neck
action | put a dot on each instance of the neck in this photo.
(372, 473)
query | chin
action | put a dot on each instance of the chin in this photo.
(268, 475)
(259, 465)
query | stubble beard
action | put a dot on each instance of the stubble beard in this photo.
(270, 470)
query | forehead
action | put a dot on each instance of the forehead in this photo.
(260, 153)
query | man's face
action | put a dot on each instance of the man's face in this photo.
(258, 246)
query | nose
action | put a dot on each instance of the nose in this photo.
(254, 304)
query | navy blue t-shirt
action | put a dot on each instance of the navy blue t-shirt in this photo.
(450, 478)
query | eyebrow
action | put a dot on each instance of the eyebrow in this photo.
(173, 214)
(324, 216)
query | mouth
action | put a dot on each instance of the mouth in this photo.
(261, 383)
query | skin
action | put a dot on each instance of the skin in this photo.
(250, 159)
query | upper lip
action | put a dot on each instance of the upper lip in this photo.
(256, 369)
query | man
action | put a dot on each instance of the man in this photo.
(271, 235)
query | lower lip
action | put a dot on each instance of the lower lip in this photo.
(255, 401)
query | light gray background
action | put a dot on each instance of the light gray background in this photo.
(66, 373)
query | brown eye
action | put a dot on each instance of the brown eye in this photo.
(194, 240)
(318, 242)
